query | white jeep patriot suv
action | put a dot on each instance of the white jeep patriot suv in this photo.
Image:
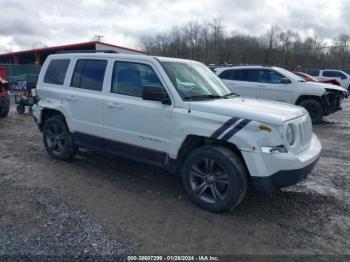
(175, 114)
(278, 84)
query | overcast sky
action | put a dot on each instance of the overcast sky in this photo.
(29, 23)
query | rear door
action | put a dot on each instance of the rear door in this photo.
(270, 86)
(241, 81)
(83, 99)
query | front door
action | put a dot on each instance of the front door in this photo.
(134, 127)
(271, 88)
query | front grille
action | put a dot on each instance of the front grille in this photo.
(305, 132)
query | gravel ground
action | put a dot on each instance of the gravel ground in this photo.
(100, 205)
(33, 222)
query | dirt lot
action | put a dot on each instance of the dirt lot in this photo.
(97, 204)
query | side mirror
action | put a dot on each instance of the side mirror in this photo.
(155, 93)
(285, 80)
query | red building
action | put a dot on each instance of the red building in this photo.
(38, 56)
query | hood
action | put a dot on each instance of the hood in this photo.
(324, 85)
(265, 111)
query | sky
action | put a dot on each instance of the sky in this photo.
(26, 24)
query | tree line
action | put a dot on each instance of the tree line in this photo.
(209, 43)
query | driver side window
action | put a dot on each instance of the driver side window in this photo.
(130, 78)
(270, 77)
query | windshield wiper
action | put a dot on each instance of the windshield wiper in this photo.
(230, 94)
(202, 97)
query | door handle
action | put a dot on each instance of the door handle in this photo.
(115, 105)
(72, 98)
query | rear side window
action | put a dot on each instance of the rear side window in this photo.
(245, 75)
(56, 71)
(130, 78)
(89, 74)
(227, 74)
(333, 74)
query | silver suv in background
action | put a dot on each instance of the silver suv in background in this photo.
(342, 77)
(278, 84)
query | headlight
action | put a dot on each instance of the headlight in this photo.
(290, 135)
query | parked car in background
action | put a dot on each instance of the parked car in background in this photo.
(341, 76)
(278, 84)
(174, 114)
(4, 98)
(309, 78)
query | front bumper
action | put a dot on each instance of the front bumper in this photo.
(270, 172)
(332, 101)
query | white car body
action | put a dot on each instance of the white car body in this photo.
(292, 92)
(155, 133)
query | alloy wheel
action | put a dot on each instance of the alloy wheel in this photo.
(55, 138)
(209, 181)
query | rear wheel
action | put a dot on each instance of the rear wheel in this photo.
(57, 138)
(215, 178)
(21, 109)
(314, 108)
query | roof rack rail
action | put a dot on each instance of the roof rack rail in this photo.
(87, 51)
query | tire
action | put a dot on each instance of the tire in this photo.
(21, 109)
(57, 138)
(4, 110)
(314, 108)
(213, 168)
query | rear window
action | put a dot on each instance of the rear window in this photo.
(56, 71)
(227, 74)
(245, 75)
(89, 74)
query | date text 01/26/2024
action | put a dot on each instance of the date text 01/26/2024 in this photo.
(173, 258)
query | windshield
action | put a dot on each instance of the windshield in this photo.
(194, 80)
(291, 75)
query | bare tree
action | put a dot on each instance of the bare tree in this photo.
(208, 42)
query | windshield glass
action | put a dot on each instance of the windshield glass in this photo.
(291, 75)
(195, 80)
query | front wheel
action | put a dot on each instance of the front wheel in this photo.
(215, 178)
(57, 138)
(314, 108)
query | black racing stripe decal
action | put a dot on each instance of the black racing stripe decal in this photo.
(234, 130)
(224, 127)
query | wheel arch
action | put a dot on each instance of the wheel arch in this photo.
(307, 97)
(46, 114)
(194, 141)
